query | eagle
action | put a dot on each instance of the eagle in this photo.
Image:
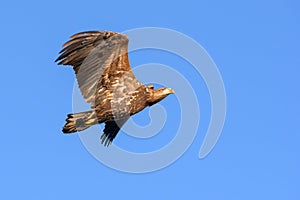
(106, 81)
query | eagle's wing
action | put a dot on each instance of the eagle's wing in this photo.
(99, 59)
(111, 129)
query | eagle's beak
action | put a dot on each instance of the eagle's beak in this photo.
(171, 91)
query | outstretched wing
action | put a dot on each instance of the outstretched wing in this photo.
(99, 59)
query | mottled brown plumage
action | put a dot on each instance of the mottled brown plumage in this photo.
(106, 81)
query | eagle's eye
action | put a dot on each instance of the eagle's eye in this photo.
(150, 86)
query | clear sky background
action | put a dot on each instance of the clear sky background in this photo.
(255, 45)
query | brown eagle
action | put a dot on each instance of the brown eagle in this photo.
(106, 81)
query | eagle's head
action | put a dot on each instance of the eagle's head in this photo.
(158, 95)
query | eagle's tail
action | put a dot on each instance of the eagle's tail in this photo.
(80, 121)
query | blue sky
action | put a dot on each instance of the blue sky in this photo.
(255, 45)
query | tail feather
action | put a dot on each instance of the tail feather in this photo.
(79, 121)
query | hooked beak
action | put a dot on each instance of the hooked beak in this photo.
(171, 91)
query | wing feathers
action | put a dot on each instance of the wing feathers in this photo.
(81, 34)
(111, 130)
(76, 50)
(99, 60)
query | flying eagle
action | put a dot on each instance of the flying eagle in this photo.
(106, 81)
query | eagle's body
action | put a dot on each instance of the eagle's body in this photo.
(106, 81)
